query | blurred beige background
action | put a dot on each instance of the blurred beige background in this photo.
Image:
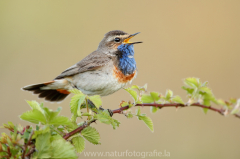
(40, 39)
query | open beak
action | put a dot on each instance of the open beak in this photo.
(126, 41)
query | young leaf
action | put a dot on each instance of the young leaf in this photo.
(80, 102)
(75, 91)
(135, 87)
(34, 116)
(168, 95)
(189, 90)
(206, 90)
(60, 120)
(206, 102)
(154, 109)
(147, 98)
(177, 99)
(138, 111)
(147, 121)
(78, 143)
(91, 134)
(73, 118)
(123, 104)
(62, 149)
(105, 118)
(50, 114)
(43, 146)
(205, 110)
(36, 105)
(192, 82)
(155, 96)
(40, 132)
(10, 126)
(129, 115)
(74, 104)
(132, 93)
(96, 100)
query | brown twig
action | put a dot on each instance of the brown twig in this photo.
(120, 110)
(78, 130)
(31, 151)
(220, 111)
(26, 145)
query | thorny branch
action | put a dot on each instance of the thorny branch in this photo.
(120, 110)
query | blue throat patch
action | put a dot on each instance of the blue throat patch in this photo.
(127, 63)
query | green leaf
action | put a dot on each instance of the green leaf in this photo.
(50, 114)
(86, 114)
(80, 102)
(221, 102)
(154, 109)
(147, 98)
(73, 118)
(123, 104)
(91, 134)
(43, 146)
(9, 126)
(60, 120)
(206, 90)
(205, 110)
(75, 101)
(192, 82)
(34, 116)
(78, 143)
(138, 111)
(36, 105)
(155, 96)
(75, 91)
(105, 118)
(96, 100)
(129, 115)
(144, 88)
(40, 132)
(168, 95)
(189, 90)
(206, 102)
(147, 121)
(177, 99)
(204, 84)
(62, 149)
(135, 87)
(55, 137)
(132, 93)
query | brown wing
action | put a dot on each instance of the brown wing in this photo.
(91, 62)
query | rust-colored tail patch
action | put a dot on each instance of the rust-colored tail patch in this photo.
(63, 91)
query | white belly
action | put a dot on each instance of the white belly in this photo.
(99, 82)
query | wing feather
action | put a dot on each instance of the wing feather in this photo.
(91, 62)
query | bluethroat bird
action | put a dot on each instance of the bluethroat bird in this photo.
(103, 72)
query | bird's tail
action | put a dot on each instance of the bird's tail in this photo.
(53, 91)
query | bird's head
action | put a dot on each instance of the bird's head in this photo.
(115, 40)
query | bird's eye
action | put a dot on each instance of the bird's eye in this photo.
(117, 40)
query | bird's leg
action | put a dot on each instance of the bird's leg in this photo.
(93, 107)
(109, 111)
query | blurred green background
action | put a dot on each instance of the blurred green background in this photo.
(40, 39)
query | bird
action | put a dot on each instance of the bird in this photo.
(106, 70)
